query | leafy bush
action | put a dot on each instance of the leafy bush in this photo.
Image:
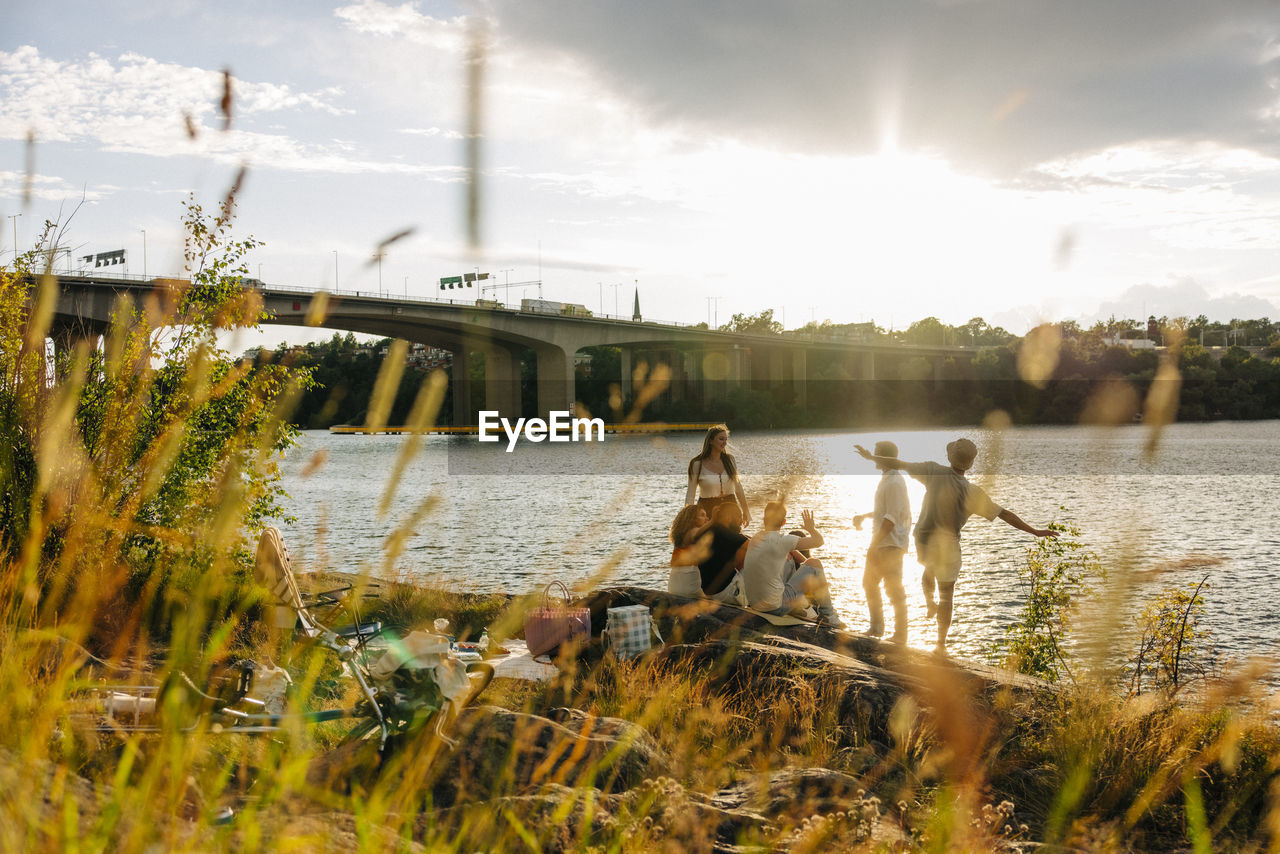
(134, 474)
(1173, 648)
(1056, 574)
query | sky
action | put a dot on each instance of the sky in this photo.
(850, 160)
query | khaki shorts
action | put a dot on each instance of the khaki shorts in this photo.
(941, 557)
(734, 593)
(944, 573)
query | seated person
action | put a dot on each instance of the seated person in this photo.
(688, 547)
(795, 557)
(689, 525)
(769, 587)
(795, 560)
(725, 545)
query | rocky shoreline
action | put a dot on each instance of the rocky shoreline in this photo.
(882, 695)
(735, 734)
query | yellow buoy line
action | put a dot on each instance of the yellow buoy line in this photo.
(646, 427)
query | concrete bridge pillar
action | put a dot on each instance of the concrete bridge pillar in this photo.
(675, 375)
(66, 332)
(65, 337)
(937, 371)
(667, 360)
(464, 414)
(502, 381)
(670, 363)
(715, 371)
(868, 365)
(679, 375)
(627, 381)
(555, 379)
(777, 366)
(800, 376)
(691, 369)
(675, 361)
(738, 365)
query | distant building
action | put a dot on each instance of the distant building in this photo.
(426, 358)
(1130, 343)
(861, 331)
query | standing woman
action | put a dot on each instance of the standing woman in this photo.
(713, 475)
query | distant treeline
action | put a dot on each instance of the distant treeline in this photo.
(1233, 375)
(344, 371)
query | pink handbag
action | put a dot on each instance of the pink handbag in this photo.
(548, 626)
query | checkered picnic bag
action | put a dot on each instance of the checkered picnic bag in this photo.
(547, 627)
(628, 630)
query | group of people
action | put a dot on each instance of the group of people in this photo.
(773, 572)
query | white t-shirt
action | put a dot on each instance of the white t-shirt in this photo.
(762, 569)
(892, 504)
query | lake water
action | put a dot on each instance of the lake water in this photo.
(477, 518)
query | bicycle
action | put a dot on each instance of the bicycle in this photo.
(401, 698)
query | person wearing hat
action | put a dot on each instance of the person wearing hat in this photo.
(949, 500)
(891, 524)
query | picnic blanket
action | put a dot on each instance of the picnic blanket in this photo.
(519, 664)
(775, 619)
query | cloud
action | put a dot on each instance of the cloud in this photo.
(433, 132)
(1186, 298)
(61, 99)
(47, 188)
(136, 105)
(374, 18)
(1189, 198)
(998, 85)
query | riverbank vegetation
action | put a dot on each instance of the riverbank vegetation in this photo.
(135, 476)
(1228, 371)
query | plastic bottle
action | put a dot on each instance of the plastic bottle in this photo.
(484, 642)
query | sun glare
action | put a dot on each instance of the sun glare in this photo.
(849, 235)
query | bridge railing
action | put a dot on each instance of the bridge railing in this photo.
(402, 298)
(794, 335)
(98, 274)
(378, 295)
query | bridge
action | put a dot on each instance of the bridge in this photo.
(701, 361)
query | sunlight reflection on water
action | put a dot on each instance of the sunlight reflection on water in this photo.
(514, 521)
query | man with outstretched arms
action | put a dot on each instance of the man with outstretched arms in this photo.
(949, 501)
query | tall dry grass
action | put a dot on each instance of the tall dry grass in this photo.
(94, 560)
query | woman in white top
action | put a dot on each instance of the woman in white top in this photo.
(713, 475)
(690, 524)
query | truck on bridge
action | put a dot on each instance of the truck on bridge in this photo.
(546, 306)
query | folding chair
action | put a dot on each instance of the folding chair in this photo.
(290, 608)
(274, 570)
